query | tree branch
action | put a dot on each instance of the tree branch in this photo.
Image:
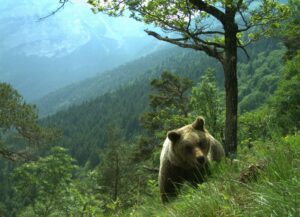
(209, 43)
(62, 2)
(13, 156)
(215, 12)
(244, 49)
(243, 18)
(190, 14)
(213, 52)
(200, 32)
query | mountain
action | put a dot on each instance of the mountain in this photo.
(88, 89)
(173, 58)
(40, 56)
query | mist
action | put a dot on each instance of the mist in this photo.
(40, 56)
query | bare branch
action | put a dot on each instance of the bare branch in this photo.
(190, 14)
(62, 2)
(13, 156)
(243, 18)
(200, 32)
(244, 49)
(213, 52)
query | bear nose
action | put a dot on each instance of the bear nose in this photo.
(201, 159)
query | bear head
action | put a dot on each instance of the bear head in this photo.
(190, 145)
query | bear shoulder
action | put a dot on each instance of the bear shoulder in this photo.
(216, 150)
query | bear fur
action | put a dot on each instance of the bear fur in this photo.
(185, 156)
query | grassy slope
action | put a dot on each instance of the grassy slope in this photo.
(274, 192)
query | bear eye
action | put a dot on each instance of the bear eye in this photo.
(189, 149)
(201, 144)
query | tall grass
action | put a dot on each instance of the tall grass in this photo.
(275, 190)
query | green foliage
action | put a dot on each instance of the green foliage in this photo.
(84, 126)
(46, 187)
(111, 172)
(286, 101)
(44, 183)
(290, 30)
(207, 100)
(19, 118)
(14, 111)
(172, 91)
(277, 193)
(118, 177)
(85, 132)
(188, 20)
(274, 191)
(169, 104)
(258, 79)
(255, 125)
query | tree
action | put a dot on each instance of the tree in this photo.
(44, 183)
(16, 116)
(206, 100)
(290, 29)
(169, 103)
(111, 172)
(47, 188)
(215, 27)
(286, 101)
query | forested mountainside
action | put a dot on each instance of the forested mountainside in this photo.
(84, 126)
(145, 67)
(172, 59)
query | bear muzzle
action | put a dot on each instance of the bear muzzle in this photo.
(200, 157)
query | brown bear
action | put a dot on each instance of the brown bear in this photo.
(185, 156)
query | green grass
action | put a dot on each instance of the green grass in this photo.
(275, 191)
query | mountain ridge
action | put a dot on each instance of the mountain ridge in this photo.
(92, 87)
(38, 57)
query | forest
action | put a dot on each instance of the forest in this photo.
(98, 154)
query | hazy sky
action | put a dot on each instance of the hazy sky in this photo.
(70, 28)
(38, 57)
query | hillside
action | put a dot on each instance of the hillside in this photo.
(145, 67)
(264, 182)
(173, 59)
(84, 125)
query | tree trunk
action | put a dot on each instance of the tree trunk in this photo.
(231, 88)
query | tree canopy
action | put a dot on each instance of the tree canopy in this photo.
(16, 116)
(200, 25)
(215, 27)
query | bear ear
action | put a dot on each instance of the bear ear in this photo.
(173, 136)
(199, 123)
